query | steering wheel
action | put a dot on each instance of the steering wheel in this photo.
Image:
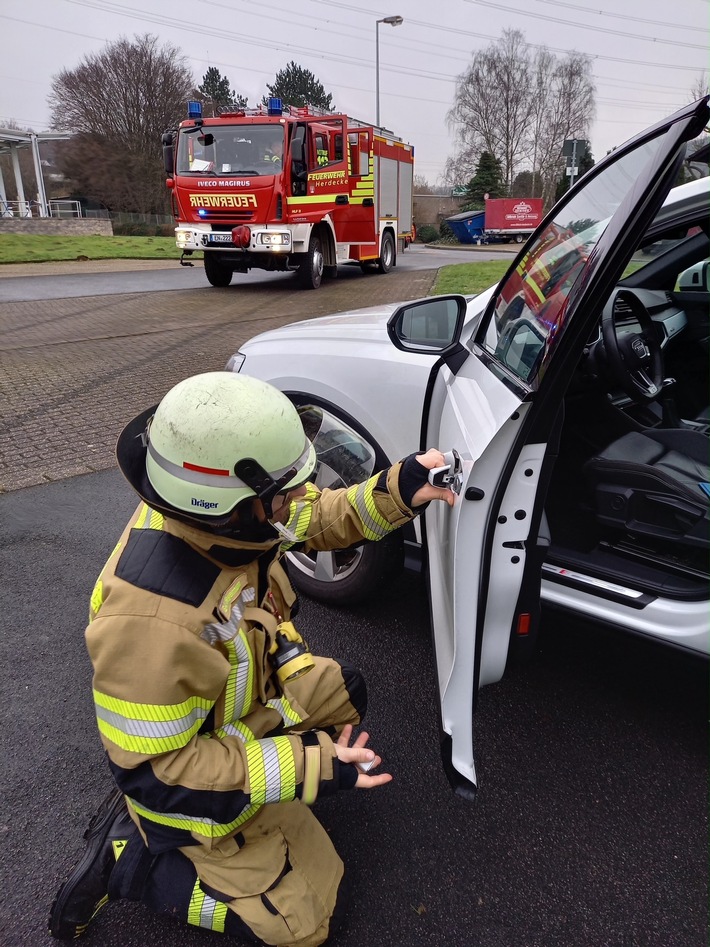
(635, 358)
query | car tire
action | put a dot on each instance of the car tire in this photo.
(217, 273)
(310, 272)
(346, 576)
(387, 254)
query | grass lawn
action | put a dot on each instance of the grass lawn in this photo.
(469, 277)
(35, 248)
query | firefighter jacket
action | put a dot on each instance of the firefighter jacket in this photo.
(197, 729)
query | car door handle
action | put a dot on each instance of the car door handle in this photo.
(450, 474)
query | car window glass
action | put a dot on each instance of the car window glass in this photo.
(530, 310)
(648, 252)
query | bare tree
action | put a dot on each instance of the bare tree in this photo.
(492, 105)
(520, 107)
(700, 87)
(567, 92)
(118, 102)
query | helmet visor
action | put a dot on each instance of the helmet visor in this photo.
(342, 456)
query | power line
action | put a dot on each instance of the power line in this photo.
(586, 26)
(624, 16)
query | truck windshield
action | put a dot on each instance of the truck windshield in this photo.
(231, 149)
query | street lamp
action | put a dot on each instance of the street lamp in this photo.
(393, 21)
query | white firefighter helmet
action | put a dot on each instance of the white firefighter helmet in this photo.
(218, 438)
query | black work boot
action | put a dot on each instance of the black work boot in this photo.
(85, 892)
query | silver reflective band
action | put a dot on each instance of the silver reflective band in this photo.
(220, 480)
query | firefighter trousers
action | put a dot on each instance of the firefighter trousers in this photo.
(279, 881)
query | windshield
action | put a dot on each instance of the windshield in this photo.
(531, 309)
(231, 149)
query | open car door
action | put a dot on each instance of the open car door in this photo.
(494, 397)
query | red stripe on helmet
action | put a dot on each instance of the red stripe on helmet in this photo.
(207, 470)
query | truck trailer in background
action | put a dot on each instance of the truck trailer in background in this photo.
(505, 220)
(281, 188)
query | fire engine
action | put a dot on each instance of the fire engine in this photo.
(284, 188)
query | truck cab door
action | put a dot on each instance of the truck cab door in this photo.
(299, 160)
(355, 223)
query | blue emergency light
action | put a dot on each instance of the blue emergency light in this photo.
(194, 110)
(275, 107)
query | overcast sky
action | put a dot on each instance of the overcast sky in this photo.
(647, 54)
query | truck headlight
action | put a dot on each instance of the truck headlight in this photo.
(183, 237)
(274, 239)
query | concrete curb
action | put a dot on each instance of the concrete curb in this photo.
(73, 267)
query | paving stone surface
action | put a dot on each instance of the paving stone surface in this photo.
(74, 371)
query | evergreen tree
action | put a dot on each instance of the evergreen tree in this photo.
(488, 179)
(297, 86)
(216, 93)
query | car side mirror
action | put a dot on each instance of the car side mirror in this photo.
(430, 326)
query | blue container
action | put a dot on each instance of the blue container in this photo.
(469, 226)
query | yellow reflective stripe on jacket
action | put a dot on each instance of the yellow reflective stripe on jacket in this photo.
(149, 729)
(204, 911)
(236, 729)
(272, 770)
(97, 599)
(201, 826)
(149, 519)
(238, 689)
(97, 595)
(286, 711)
(299, 521)
(374, 525)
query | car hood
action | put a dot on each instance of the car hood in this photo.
(370, 322)
(355, 325)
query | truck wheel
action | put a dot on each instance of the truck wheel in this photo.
(386, 261)
(310, 272)
(519, 238)
(217, 273)
(346, 576)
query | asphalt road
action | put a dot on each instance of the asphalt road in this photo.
(94, 279)
(591, 824)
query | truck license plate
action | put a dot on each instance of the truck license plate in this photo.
(220, 238)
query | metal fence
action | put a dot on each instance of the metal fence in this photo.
(118, 217)
(59, 209)
(16, 208)
(65, 209)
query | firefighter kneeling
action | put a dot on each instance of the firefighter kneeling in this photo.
(219, 726)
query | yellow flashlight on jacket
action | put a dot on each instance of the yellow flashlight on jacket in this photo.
(289, 654)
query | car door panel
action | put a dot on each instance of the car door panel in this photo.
(498, 408)
(473, 416)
